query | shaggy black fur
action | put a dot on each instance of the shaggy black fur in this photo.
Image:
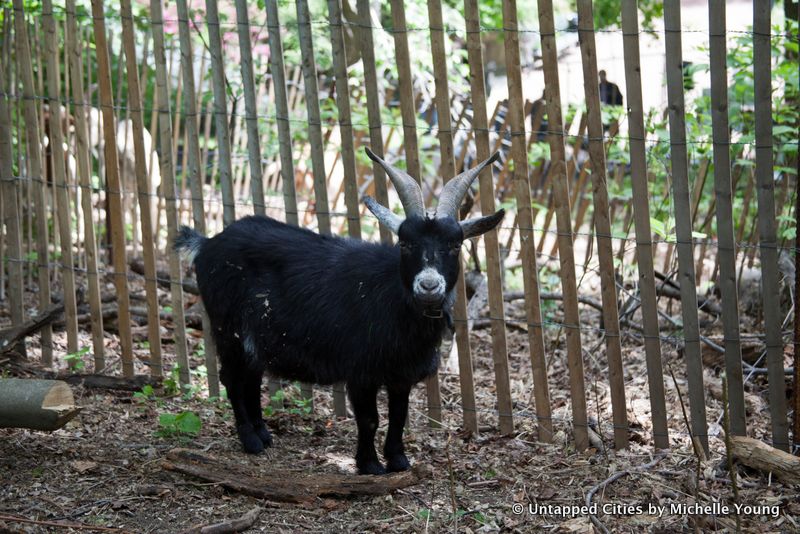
(323, 310)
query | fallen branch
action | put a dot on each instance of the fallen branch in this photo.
(163, 278)
(228, 527)
(75, 526)
(519, 295)
(612, 478)
(758, 455)
(11, 336)
(134, 383)
(288, 486)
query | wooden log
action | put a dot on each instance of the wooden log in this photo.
(35, 404)
(758, 455)
(289, 486)
(133, 383)
(239, 524)
(11, 336)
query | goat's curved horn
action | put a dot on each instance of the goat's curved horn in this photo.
(453, 191)
(384, 215)
(407, 188)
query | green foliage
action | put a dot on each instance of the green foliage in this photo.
(75, 359)
(290, 400)
(185, 423)
(608, 13)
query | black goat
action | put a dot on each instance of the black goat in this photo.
(323, 310)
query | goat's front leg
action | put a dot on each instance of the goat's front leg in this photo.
(393, 450)
(364, 401)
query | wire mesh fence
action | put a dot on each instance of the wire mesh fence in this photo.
(255, 114)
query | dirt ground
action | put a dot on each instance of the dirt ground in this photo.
(104, 472)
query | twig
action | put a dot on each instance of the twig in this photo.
(616, 476)
(77, 526)
(696, 446)
(726, 424)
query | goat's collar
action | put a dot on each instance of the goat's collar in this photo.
(433, 312)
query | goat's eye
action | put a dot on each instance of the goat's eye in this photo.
(405, 247)
(455, 248)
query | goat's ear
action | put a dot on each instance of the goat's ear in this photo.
(384, 215)
(481, 225)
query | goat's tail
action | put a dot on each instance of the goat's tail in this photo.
(188, 242)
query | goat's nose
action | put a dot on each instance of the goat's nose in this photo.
(429, 285)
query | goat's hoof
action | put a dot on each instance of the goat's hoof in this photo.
(264, 435)
(250, 440)
(398, 462)
(373, 467)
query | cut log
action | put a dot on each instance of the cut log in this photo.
(35, 404)
(11, 336)
(288, 486)
(758, 455)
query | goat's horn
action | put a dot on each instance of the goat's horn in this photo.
(407, 188)
(384, 215)
(453, 191)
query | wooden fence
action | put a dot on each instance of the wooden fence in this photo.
(78, 218)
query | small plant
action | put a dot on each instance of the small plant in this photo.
(146, 394)
(183, 424)
(75, 359)
(291, 402)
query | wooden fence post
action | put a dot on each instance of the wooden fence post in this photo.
(373, 108)
(168, 183)
(60, 177)
(34, 152)
(315, 140)
(408, 112)
(566, 255)
(9, 187)
(85, 176)
(143, 186)
(683, 218)
(448, 171)
(724, 211)
(220, 112)
(348, 150)
(641, 221)
(767, 233)
(113, 192)
(516, 120)
(190, 108)
(284, 129)
(250, 106)
(602, 224)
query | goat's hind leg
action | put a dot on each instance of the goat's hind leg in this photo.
(235, 377)
(252, 400)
